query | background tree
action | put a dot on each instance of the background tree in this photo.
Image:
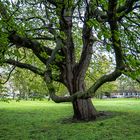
(100, 65)
(127, 84)
(48, 30)
(22, 82)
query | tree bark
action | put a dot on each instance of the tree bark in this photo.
(84, 110)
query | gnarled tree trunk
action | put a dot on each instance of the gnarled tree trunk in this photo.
(84, 110)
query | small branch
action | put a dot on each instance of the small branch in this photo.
(43, 38)
(9, 75)
(132, 21)
(126, 8)
(81, 18)
(53, 2)
(33, 18)
(138, 80)
(58, 47)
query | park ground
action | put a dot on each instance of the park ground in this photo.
(43, 120)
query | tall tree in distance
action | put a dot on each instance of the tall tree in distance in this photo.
(53, 30)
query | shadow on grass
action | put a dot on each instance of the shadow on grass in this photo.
(104, 115)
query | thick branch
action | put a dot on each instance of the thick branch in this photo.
(88, 40)
(68, 50)
(66, 24)
(25, 66)
(116, 43)
(28, 43)
(87, 94)
(22, 41)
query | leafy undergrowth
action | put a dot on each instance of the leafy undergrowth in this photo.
(43, 120)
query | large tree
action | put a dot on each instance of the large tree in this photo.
(53, 31)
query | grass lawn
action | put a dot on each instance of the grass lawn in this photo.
(43, 120)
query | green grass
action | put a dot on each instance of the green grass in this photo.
(43, 120)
